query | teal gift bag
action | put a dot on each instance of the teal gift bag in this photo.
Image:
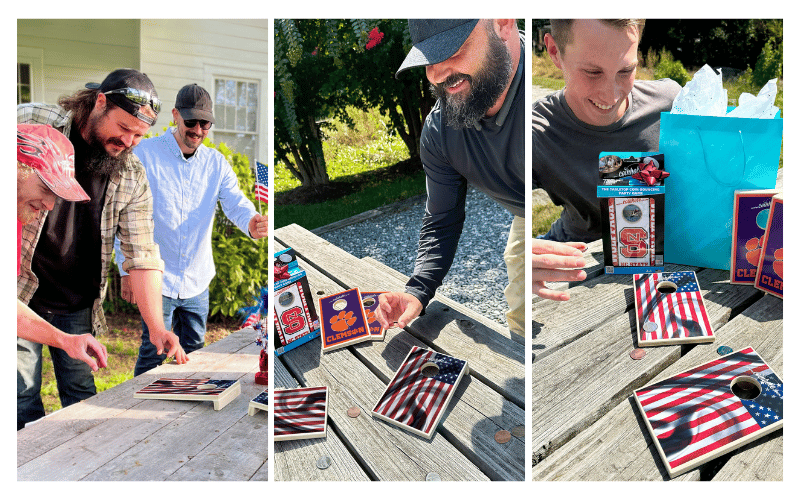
(710, 157)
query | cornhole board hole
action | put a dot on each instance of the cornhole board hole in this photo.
(300, 413)
(420, 391)
(670, 309)
(260, 402)
(220, 392)
(343, 320)
(750, 217)
(712, 409)
(770, 267)
(370, 302)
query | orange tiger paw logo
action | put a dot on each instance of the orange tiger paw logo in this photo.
(342, 321)
(777, 265)
(753, 247)
(371, 317)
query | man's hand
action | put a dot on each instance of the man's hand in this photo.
(258, 226)
(165, 339)
(125, 289)
(84, 348)
(397, 309)
(553, 261)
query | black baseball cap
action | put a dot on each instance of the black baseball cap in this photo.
(435, 40)
(194, 103)
(116, 85)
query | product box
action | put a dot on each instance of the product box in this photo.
(750, 217)
(296, 320)
(770, 267)
(631, 193)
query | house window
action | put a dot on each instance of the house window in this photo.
(236, 115)
(24, 83)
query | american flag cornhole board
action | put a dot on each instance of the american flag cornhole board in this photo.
(750, 217)
(712, 409)
(260, 402)
(343, 320)
(670, 309)
(420, 391)
(370, 301)
(300, 413)
(770, 267)
(220, 392)
(633, 231)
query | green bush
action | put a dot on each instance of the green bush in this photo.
(667, 67)
(769, 64)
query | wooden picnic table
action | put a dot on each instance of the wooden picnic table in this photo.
(112, 436)
(489, 399)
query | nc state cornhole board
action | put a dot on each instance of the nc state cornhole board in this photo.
(420, 391)
(343, 320)
(670, 309)
(296, 320)
(711, 409)
(750, 217)
(370, 302)
(220, 392)
(770, 268)
(260, 402)
(300, 413)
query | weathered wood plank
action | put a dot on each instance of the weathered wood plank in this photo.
(593, 268)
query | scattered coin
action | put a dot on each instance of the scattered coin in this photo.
(323, 462)
(502, 437)
(649, 326)
(353, 412)
(637, 354)
(723, 350)
(518, 431)
(432, 476)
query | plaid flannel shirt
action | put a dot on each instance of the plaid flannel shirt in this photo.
(127, 214)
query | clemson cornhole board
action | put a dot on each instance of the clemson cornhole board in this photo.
(260, 402)
(343, 320)
(712, 409)
(750, 217)
(220, 392)
(300, 413)
(370, 301)
(770, 267)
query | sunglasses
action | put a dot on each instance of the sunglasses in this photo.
(204, 124)
(139, 97)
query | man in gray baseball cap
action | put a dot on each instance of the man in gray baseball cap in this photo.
(475, 135)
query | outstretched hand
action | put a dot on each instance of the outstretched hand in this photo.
(84, 348)
(165, 339)
(397, 309)
(554, 261)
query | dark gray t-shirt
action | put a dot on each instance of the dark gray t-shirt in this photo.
(566, 152)
(490, 156)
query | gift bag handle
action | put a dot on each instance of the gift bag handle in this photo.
(711, 172)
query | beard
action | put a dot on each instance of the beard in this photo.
(98, 160)
(25, 214)
(485, 87)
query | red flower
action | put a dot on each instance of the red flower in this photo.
(375, 38)
(315, 51)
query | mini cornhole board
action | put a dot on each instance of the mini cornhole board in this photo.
(420, 391)
(260, 402)
(296, 320)
(370, 301)
(300, 413)
(220, 392)
(770, 268)
(712, 409)
(670, 309)
(343, 320)
(750, 217)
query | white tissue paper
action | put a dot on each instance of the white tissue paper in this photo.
(760, 106)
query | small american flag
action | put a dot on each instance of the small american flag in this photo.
(680, 314)
(300, 413)
(696, 412)
(262, 182)
(415, 400)
(251, 320)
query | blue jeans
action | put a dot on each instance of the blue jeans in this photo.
(547, 236)
(74, 378)
(186, 318)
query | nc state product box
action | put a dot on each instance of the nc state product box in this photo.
(296, 320)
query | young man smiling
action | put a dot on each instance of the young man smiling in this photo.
(601, 108)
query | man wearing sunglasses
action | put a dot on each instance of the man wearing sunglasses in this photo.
(66, 251)
(187, 179)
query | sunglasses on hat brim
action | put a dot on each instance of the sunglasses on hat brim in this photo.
(140, 97)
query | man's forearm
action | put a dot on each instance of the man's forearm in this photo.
(31, 326)
(146, 287)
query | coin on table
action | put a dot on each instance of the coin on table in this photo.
(650, 327)
(518, 431)
(323, 462)
(353, 412)
(723, 350)
(502, 437)
(637, 354)
(432, 476)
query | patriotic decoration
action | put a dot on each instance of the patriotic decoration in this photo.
(370, 301)
(262, 182)
(343, 320)
(220, 392)
(260, 402)
(252, 320)
(301, 413)
(670, 309)
(697, 416)
(415, 400)
(770, 266)
(750, 217)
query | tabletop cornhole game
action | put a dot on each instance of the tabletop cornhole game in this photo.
(670, 309)
(420, 391)
(260, 402)
(220, 392)
(711, 409)
(750, 217)
(296, 320)
(300, 413)
(370, 301)
(769, 277)
(632, 231)
(343, 320)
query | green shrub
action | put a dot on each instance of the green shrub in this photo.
(769, 64)
(667, 67)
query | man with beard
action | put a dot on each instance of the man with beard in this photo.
(64, 281)
(188, 179)
(475, 134)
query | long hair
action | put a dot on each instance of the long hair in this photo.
(81, 104)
